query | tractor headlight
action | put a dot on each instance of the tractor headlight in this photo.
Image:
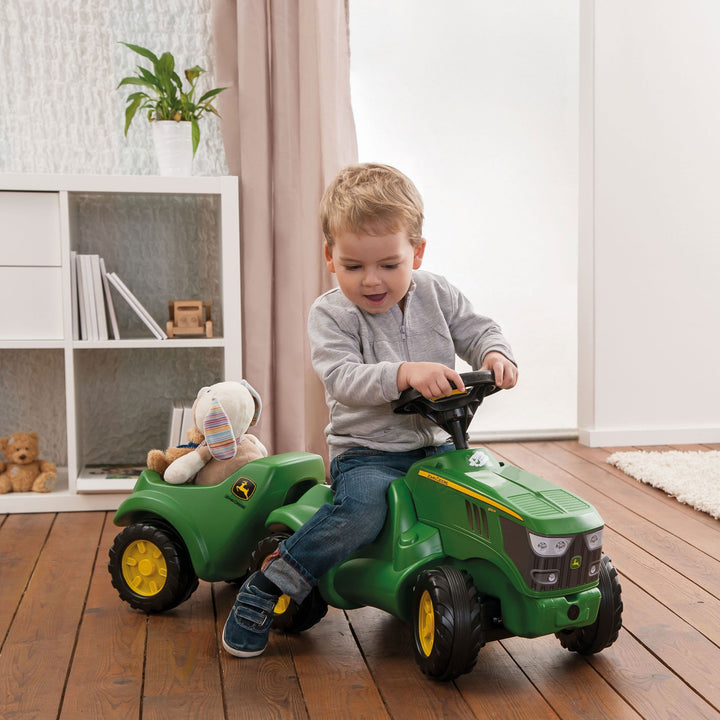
(549, 546)
(594, 539)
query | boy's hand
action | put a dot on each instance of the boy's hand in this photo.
(431, 380)
(506, 373)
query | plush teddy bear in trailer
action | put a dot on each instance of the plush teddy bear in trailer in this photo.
(24, 471)
(159, 460)
(223, 413)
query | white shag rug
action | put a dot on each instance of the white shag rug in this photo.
(691, 477)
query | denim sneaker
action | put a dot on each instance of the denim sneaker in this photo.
(247, 628)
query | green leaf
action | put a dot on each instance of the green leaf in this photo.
(176, 79)
(210, 94)
(195, 135)
(149, 78)
(130, 112)
(142, 51)
(168, 81)
(137, 81)
(141, 95)
(131, 81)
(166, 64)
(193, 73)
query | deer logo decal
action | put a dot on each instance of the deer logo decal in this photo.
(244, 488)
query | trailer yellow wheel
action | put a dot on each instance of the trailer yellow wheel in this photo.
(446, 623)
(150, 568)
(144, 568)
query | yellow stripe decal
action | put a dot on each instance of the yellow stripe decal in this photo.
(471, 493)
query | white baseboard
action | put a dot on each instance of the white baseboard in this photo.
(480, 436)
(622, 437)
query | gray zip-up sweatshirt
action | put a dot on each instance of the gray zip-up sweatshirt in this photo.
(357, 356)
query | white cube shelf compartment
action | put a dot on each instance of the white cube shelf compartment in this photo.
(108, 402)
(29, 307)
(30, 266)
(30, 223)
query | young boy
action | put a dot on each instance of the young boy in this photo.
(386, 328)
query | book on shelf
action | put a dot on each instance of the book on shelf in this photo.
(74, 296)
(80, 301)
(188, 421)
(88, 324)
(176, 414)
(92, 309)
(108, 478)
(98, 297)
(110, 305)
(93, 325)
(136, 305)
(181, 420)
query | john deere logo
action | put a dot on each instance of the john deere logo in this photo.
(243, 488)
(575, 562)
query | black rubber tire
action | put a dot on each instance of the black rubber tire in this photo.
(179, 581)
(604, 631)
(289, 617)
(446, 623)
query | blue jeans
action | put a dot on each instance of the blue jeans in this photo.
(360, 480)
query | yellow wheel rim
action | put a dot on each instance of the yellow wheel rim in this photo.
(144, 568)
(426, 623)
(282, 604)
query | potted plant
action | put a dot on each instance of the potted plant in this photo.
(174, 111)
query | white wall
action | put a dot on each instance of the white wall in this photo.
(650, 233)
(61, 63)
(476, 100)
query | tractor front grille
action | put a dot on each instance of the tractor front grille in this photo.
(578, 565)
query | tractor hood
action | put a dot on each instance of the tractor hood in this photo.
(497, 488)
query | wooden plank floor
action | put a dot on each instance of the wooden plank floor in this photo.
(71, 649)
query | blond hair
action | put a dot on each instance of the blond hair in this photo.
(372, 198)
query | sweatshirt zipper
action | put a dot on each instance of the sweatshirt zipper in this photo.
(417, 425)
(423, 432)
(404, 312)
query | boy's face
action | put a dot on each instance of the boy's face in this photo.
(374, 271)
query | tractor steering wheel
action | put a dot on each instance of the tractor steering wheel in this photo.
(452, 412)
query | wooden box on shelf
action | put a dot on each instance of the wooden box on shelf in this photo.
(186, 318)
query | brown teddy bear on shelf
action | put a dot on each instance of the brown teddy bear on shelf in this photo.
(159, 460)
(24, 471)
(223, 412)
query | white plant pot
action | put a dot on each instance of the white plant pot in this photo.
(173, 146)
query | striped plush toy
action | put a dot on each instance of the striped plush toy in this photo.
(223, 412)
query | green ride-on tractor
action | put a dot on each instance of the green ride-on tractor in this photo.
(472, 550)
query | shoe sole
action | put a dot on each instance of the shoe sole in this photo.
(240, 653)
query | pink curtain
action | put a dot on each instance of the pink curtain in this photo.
(288, 128)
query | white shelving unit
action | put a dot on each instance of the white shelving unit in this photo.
(109, 402)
